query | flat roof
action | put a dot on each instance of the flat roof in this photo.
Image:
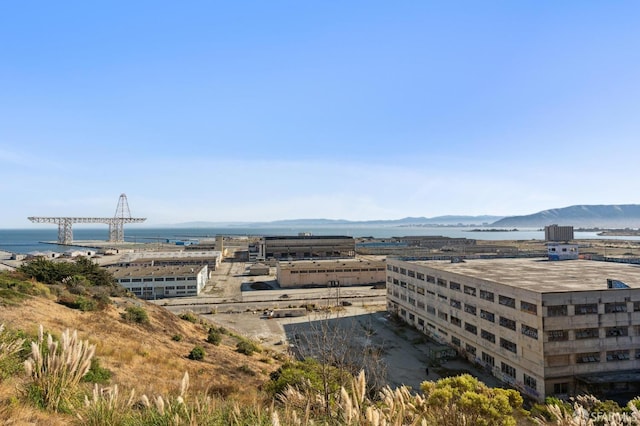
(157, 271)
(542, 275)
(306, 264)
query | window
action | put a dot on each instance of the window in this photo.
(610, 308)
(403, 284)
(442, 283)
(617, 355)
(529, 331)
(508, 323)
(411, 273)
(486, 315)
(443, 315)
(508, 370)
(488, 359)
(403, 271)
(470, 328)
(456, 321)
(396, 282)
(587, 308)
(508, 345)
(389, 268)
(444, 333)
(561, 387)
(488, 336)
(528, 307)
(442, 296)
(412, 317)
(469, 290)
(470, 349)
(455, 341)
(587, 333)
(455, 303)
(557, 311)
(421, 322)
(147, 280)
(395, 269)
(420, 290)
(636, 306)
(557, 335)
(431, 310)
(507, 301)
(411, 287)
(454, 286)
(431, 279)
(617, 331)
(470, 309)
(420, 276)
(486, 295)
(412, 301)
(530, 382)
(588, 357)
(420, 305)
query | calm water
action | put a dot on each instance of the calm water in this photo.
(29, 240)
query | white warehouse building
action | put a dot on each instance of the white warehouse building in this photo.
(157, 282)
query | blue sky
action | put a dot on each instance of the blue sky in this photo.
(257, 111)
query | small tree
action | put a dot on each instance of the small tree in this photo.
(214, 337)
(136, 314)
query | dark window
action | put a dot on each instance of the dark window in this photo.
(558, 335)
(454, 286)
(455, 341)
(508, 370)
(617, 355)
(470, 290)
(488, 359)
(456, 321)
(561, 387)
(455, 303)
(508, 323)
(557, 311)
(488, 336)
(587, 308)
(470, 309)
(610, 308)
(470, 349)
(530, 382)
(508, 345)
(587, 333)
(529, 331)
(588, 357)
(486, 295)
(617, 331)
(507, 301)
(470, 328)
(442, 283)
(528, 307)
(489, 316)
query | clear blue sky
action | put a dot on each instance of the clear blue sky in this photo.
(266, 110)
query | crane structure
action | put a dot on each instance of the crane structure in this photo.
(116, 223)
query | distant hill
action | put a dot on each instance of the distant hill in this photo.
(584, 216)
(407, 221)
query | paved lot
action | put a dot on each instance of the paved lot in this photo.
(405, 351)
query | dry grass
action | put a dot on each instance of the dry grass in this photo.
(140, 357)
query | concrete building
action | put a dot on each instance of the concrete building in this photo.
(305, 247)
(558, 233)
(546, 328)
(343, 272)
(173, 258)
(157, 282)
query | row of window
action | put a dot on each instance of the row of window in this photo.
(322, 271)
(155, 279)
(590, 308)
(590, 333)
(469, 290)
(168, 288)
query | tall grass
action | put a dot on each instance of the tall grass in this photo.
(10, 346)
(56, 368)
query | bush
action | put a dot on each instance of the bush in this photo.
(247, 347)
(214, 337)
(136, 314)
(189, 316)
(78, 302)
(197, 353)
(176, 337)
(97, 374)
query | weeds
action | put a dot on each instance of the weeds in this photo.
(136, 314)
(56, 368)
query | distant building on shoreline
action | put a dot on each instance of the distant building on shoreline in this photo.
(558, 233)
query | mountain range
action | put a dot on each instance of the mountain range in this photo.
(579, 216)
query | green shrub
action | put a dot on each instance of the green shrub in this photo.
(247, 347)
(189, 316)
(97, 374)
(246, 370)
(176, 337)
(136, 314)
(78, 302)
(214, 337)
(197, 353)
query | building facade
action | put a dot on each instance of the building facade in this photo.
(544, 327)
(157, 282)
(558, 233)
(304, 247)
(343, 272)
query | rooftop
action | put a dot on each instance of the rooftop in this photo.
(158, 271)
(542, 275)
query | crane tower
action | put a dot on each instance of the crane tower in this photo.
(116, 223)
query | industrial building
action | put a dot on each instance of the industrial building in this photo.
(157, 282)
(558, 233)
(544, 327)
(304, 247)
(342, 272)
(173, 258)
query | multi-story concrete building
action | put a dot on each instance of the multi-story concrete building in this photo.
(210, 258)
(156, 282)
(343, 272)
(305, 247)
(558, 233)
(546, 328)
